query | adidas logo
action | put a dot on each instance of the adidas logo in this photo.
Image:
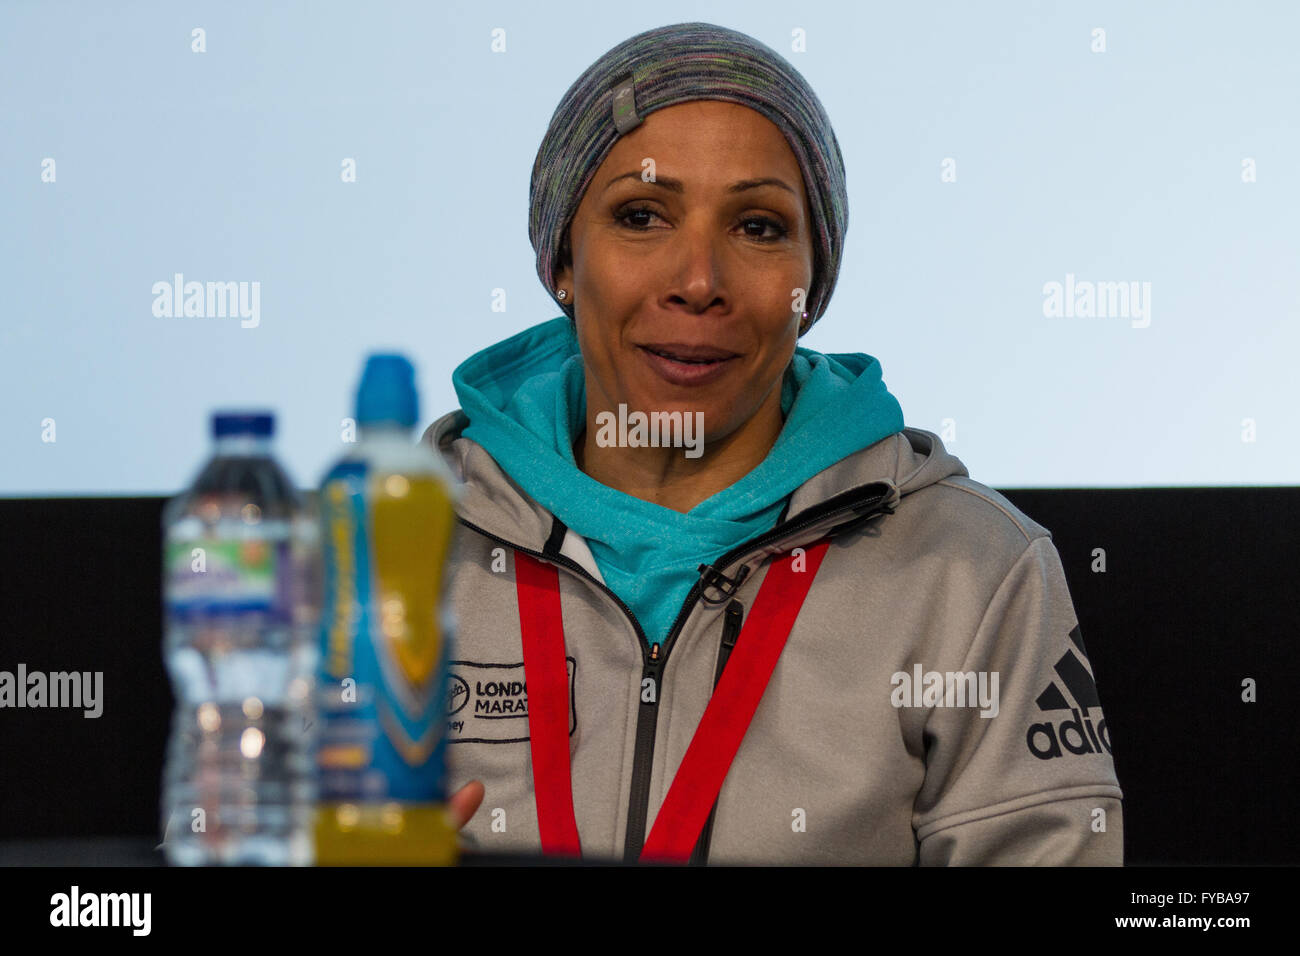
(1076, 734)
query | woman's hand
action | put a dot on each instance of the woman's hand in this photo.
(464, 803)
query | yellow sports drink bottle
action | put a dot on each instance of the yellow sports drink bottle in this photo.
(387, 512)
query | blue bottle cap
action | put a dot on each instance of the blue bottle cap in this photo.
(387, 392)
(257, 424)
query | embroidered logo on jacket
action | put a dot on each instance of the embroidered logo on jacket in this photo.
(488, 703)
(1077, 733)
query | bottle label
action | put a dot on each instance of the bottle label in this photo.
(385, 646)
(207, 576)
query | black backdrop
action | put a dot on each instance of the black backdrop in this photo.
(1200, 592)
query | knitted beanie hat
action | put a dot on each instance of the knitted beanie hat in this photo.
(676, 64)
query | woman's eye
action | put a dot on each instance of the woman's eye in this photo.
(764, 222)
(627, 214)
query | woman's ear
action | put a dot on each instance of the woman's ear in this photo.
(564, 280)
(564, 276)
(563, 271)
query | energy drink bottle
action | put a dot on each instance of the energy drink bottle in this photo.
(387, 517)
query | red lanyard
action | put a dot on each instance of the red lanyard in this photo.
(717, 738)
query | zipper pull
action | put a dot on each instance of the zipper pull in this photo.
(650, 678)
(731, 624)
(711, 577)
(731, 621)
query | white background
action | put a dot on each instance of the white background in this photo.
(225, 166)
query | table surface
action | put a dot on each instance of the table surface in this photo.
(140, 851)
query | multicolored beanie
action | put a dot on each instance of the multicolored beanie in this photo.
(676, 64)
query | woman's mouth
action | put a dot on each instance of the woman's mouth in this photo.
(687, 365)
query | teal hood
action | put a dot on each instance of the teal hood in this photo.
(525, 400)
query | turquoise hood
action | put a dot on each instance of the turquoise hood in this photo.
(525, 399)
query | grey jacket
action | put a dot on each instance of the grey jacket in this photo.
(857, 754)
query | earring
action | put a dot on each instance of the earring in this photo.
(562, 294)
(803, 326)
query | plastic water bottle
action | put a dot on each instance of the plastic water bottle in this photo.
(387, 509)
(241, 605)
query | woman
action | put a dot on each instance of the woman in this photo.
(809, 637)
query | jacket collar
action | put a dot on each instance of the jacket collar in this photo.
(904, 461)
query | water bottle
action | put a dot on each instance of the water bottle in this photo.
(387, 511)
(241, 609)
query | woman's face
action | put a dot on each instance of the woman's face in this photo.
(707, 258)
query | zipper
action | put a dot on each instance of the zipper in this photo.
(655, 657)
(647, 719)
(730, 631)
